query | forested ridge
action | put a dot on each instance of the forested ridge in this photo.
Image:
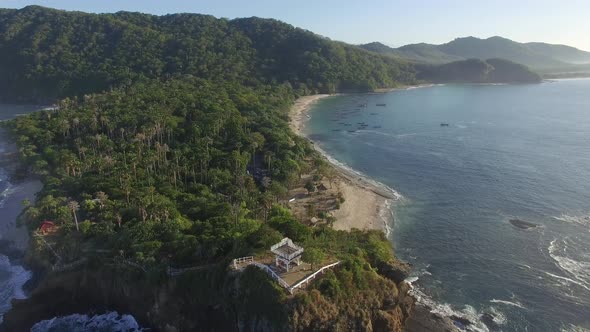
(46, 53)
(149, 158)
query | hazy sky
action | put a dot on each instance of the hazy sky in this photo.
(392, 22)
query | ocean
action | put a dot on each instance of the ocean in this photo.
(467, 159)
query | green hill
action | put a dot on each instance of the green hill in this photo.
(540, 56)
(171, 151)
(46, 53)
(561, 53)
(478, 71)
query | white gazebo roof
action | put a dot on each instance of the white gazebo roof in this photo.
(286, 249)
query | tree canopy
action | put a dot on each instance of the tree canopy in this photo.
(47, 53)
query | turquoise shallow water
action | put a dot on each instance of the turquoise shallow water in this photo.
(510, 151)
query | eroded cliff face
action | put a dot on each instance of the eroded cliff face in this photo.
(212, 300)
(92, 291)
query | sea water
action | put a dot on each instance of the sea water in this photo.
(508, 152)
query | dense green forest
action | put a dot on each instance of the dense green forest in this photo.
(148, 162)
(47, 54)
(155, 175)
(169, 147)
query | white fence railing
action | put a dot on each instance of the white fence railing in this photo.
(273, 274)
(243, 260)
(311, 277)
(249, 260)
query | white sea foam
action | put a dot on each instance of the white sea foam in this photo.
(12, 286)
(566, 280)
(386, 213)
(498, 317)
(357, 174)
(5, 193)
(422, 86)
(579, 270)
(387, 217)
(111, 321)
(582, 220)
(574, 328)
(468, 312)
(515, 304)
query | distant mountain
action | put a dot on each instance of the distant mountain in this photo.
(540, 56)
(478, 71)
(561, 52)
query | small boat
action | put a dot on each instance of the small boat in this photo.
(352, 131)
(381, 104)
(373, 113)
(444, 124)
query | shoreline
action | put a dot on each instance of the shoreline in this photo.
(367, 204)
(14, 238)
(17, 190)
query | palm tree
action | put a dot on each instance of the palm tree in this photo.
(102, 198)
(268, 155)
(74, 206)
(118, 219)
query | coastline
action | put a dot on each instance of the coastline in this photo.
(14, 238)
(367, 204)
(17, 190)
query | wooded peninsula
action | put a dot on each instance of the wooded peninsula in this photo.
(169, 149)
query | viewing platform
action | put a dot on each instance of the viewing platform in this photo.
(287, 254)
(286, 268)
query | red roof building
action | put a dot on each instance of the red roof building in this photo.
(47, 227)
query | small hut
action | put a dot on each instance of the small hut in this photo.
(287, 254)
(47, 227)
(322, 187)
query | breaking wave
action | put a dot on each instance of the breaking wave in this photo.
(466, 319)
(578, 220)
(562, 252)
(515, 304)
(12, 280)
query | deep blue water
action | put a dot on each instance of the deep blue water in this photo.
(510, 151)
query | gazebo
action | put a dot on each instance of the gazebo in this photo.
(287, 253)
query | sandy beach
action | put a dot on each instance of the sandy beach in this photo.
(367, 203)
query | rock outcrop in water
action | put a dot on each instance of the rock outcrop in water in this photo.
(522, 224)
